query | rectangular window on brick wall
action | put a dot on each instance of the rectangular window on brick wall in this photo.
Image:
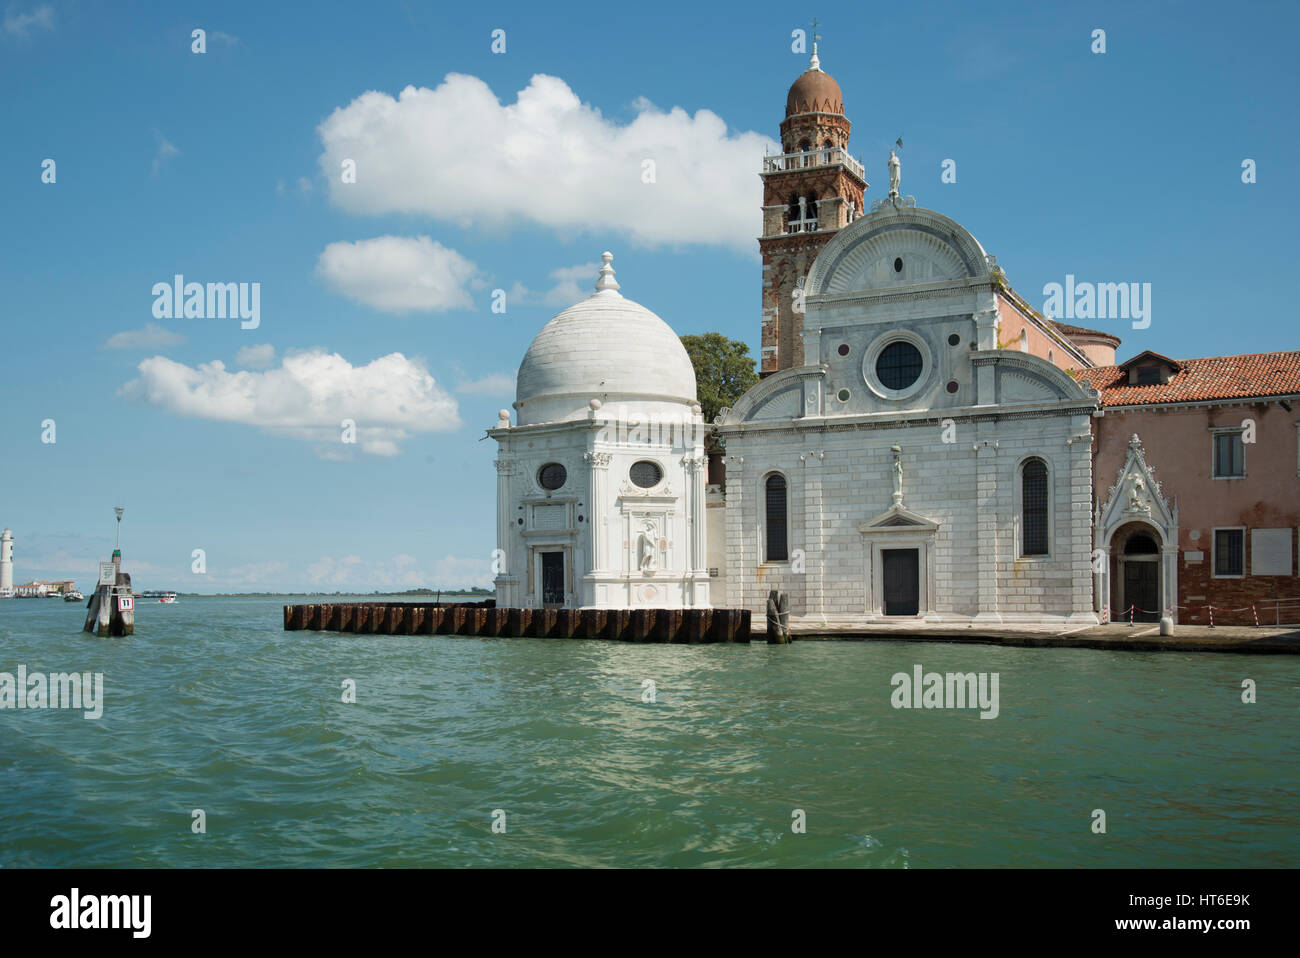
(1229, 553)
(1229, 455)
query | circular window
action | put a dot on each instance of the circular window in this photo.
(844, 349)
(843, 395)
(899, 365)
(645, 473)
(898, 264)
(954, 339)
(952, 385)
(552, 476)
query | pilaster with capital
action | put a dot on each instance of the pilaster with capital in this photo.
(815, 533)
(986, 525)
(505, 470)
(598, 469)
(696, 473)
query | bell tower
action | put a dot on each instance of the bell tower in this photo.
(810, 190)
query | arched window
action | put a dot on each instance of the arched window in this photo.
(794, 207)
(778, 549)
(810, 208)
(1033, 508)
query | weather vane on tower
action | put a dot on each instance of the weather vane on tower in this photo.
(814, 63)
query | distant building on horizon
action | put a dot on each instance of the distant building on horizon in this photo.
(6, 564)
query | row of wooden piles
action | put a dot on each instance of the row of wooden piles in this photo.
(627, 625)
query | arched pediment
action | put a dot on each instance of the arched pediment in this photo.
(929, 247)
(1024, 378)
(789, 394)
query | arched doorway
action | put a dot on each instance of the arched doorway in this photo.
(1135, 578)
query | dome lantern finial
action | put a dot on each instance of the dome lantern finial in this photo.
(814, 63)
(606, 281)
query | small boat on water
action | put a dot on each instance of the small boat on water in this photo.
(151, 595)
(73, 596)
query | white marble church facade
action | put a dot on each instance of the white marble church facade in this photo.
(920, 449)
(887, 476)
(601, 474)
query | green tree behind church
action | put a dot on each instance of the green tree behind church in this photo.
(723, 370)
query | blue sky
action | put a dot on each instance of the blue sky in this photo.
(225, 167)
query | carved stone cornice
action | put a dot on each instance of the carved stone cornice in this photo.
(630, 490)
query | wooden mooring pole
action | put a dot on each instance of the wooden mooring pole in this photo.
(778, 618)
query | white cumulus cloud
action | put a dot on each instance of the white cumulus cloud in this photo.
(151, 336)
(493, 384)
(398, 274)
(572, 283)
(256, 357)
(547, 158)
(307, 397)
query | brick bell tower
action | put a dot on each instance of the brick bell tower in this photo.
(811, 190)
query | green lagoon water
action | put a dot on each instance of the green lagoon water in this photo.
(211, 705)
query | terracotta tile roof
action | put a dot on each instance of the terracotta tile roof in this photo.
(1214, 377)
(1070, 330)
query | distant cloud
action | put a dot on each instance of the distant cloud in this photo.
(571, 284)
(398, 274)
(457, 572)
(256, 357)
(22, 24)
(353, 573)
(548, 158)
(494, 384)
(307, 397)
(152, 336)
(165, 152)
(257, 576)
(567, 289)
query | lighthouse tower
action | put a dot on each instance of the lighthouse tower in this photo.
(6, 564)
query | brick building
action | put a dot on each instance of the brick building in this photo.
(1197, 487)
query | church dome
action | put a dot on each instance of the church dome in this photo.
(605, 347)
(814, 92)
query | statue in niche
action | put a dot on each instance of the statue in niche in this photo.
(647, 560)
